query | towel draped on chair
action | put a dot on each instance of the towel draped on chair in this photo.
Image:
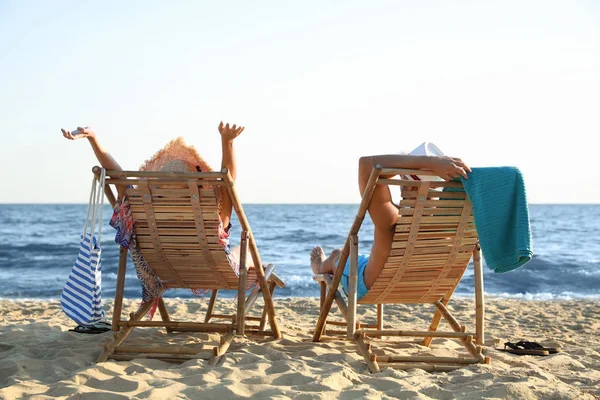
(501, 216)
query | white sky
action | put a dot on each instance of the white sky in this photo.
(317, 84)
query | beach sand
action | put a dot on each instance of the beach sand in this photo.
(41, 359)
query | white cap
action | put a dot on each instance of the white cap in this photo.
(426, 149)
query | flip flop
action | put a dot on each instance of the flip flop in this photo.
(536, 346)
(519, 349)
(98, 327)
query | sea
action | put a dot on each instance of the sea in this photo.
(39, 244)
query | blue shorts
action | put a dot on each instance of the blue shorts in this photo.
(361, 287)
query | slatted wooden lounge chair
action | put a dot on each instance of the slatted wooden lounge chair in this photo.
(176, 221)
(434, 242)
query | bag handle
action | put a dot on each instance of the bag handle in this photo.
(96, 200)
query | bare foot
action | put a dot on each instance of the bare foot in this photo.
(334, 257)
(317, 256)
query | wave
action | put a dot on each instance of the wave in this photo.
(539, 296)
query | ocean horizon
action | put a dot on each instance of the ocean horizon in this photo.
(39, 243)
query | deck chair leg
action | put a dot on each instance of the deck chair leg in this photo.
(263, 319)
(164, 314)
(435, 322)
(326, 307)
(257, 290)
(268, 299)
(474, 350)
(379, 320)
(323, 296)
(358, 220)
(219, 352)
(479, 301)
(262, 287)
(242, 283)
(365, 350)
(211, 305)
(120, 337)
(260, 272)
(341, 304)
(120, 288)
(270, 308)
(352, 286)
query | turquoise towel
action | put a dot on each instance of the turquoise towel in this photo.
(501, 216)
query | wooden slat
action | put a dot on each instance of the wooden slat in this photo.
(438, 219)
(403, 228)
(395, 253)
(185, 225)
(171, 208)
(163, 182)
(433, 235)
(176, 216)
(199, 176)
(435, 194)
(407, 212)
(207, 195)
(403, 182)
(434, 242)
(214, 240)
(166, 232)
(180, 246)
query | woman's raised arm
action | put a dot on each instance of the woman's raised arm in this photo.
(104, 158)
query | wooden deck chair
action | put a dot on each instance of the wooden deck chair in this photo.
(434, 241)
(176, 220)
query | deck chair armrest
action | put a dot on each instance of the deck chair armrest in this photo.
(326, 278)
(278, 281)
(270, 275)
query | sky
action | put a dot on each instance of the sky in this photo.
(316, 84)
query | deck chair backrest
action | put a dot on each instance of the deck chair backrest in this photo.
(434, 241)
(176, 223)
(433, 244)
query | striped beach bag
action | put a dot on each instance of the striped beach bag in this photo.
(81, 298)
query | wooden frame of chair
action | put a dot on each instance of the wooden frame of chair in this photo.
(434, 241)
(176, 220)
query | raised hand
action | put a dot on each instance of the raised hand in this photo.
(449, 168)
(230, 133)
(80, 133)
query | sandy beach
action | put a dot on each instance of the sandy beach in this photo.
(41, 359)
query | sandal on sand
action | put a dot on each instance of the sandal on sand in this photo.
(537, 346)
(98, 327)
(528, 348)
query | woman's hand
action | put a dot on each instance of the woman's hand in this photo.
(229, 133)
(449, 168)
(79, 134)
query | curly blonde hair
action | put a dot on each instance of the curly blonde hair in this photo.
(176, 149)
(178, 156)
